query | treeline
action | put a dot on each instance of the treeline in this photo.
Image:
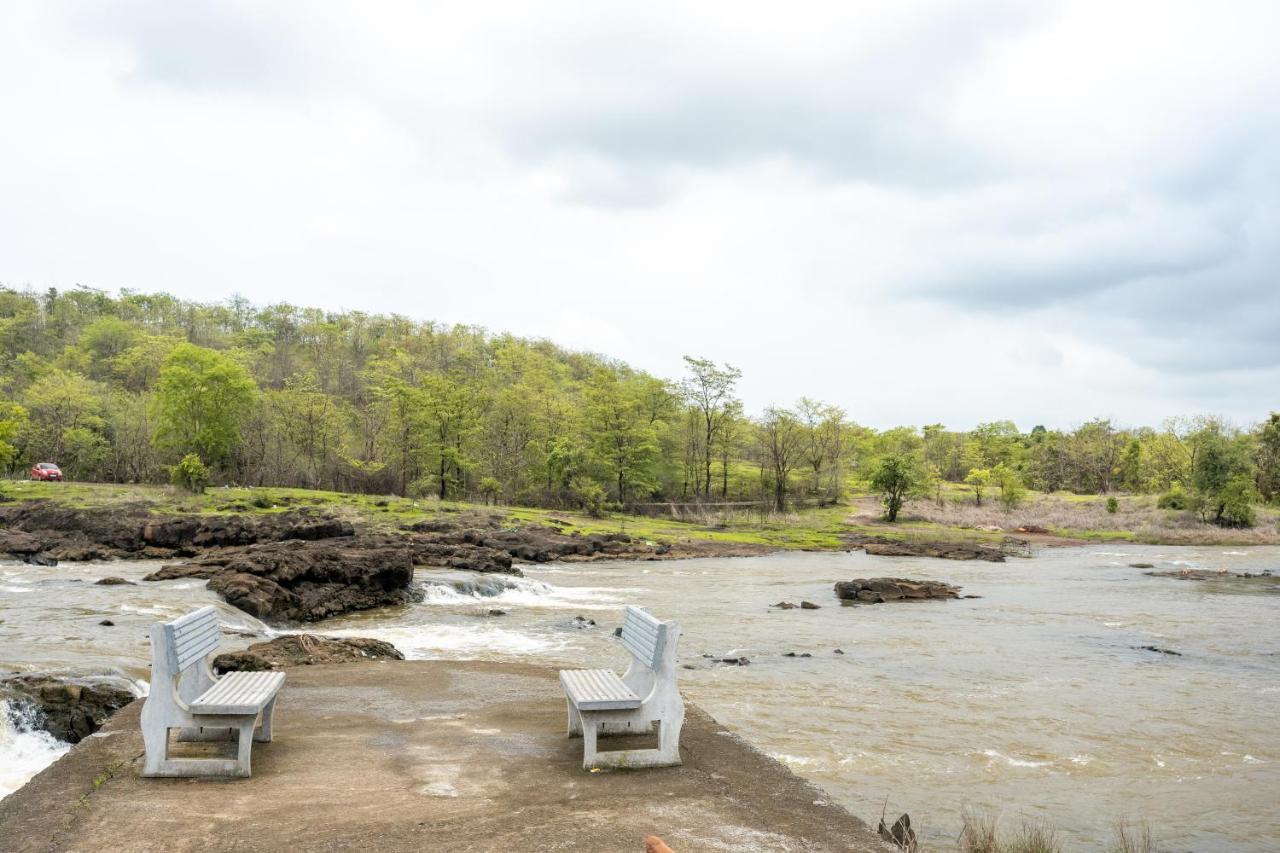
(124, 388)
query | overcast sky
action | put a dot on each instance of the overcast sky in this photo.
(922, 211)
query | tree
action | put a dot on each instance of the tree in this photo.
(622, 437)
(1267, 458)
(1007, 480)
(978, 479)
(12, 419)
(781, 436)
(201, 399)
(1220, 467)
(896, 479)
(709, 391)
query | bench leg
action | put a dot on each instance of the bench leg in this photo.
(575, 720)
(244, 747)
(589, 754)
(156, 741)
(263, 733)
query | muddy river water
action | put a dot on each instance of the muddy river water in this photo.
(1036, 700)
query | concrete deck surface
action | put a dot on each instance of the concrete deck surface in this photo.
(425, 755)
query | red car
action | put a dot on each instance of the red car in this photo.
(45, 471)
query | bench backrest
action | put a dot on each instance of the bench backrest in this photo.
(188, 639)
(644, 636)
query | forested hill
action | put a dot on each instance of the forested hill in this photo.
(122, 388)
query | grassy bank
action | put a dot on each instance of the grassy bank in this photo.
(1066, 518)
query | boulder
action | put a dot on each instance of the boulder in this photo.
(304, 581)
(880, 590)
(68, 709)
(112, 580)
(305, 650)
(19, 544)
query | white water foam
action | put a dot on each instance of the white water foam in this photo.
(1013, 762)
(516, 592)
(24, 751)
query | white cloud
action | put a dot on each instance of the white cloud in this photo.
(922, 211)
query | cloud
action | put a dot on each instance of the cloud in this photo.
(922, 210)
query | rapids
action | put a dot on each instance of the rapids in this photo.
(1036, 700)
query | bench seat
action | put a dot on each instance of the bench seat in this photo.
(598, 690)
(238, 693)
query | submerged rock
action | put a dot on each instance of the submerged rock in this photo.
(880, 590)
(304, 650)
(941, 550)
(112, 580)
(69, 709)
(1158, 650)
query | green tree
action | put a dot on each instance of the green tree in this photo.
(781, 438)
(978, 479)
(621, 434)
(1220, 464)
(896, 480)
(1012, 492)
(709, 391)
(12, 419)
(1267, 458)
(202, 397)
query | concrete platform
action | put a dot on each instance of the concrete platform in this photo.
(425, 755)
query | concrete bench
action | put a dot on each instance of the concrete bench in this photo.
(601, 703)
(186, 695)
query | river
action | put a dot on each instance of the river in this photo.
(1035, 700)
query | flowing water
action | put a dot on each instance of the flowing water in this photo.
(1036, 700)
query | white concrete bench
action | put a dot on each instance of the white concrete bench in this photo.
(186, 695)
(601, 703)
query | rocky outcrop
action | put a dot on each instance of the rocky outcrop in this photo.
(68, 709)
(536, 544)
(47, 530)
(1266, 576)
(881, 590)
(305, 650)
(305, 581)
(881, 547)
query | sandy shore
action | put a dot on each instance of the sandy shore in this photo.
(424, 755)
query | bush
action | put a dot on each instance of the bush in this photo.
(190, 474)
(1113, 505)
(490, 488)
(1175, 498)
(589, 495)
(1237, 501)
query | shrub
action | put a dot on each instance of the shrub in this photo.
(1113, 505)
(1175, 498)
(589, 495)
(1012, 491)
(190, 474)
(490, 488)
(1237, 501)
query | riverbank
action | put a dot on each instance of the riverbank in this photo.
(413, 755)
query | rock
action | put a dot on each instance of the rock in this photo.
(942, 550)
(112, 580)
(581, 622)
(304, 581)
(880, 590)
(838, 652)
(305, 650)
(617, 632)
(1142, 565)
(107, 623)
(900, 835)
(19, 544)
(988, 528)
(1036, 529)
(784, 605)
(809, 605)
(1158, 650)
(68, 709)
(494, 611)
(39, 560)
(798, 655)
(733, 661)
